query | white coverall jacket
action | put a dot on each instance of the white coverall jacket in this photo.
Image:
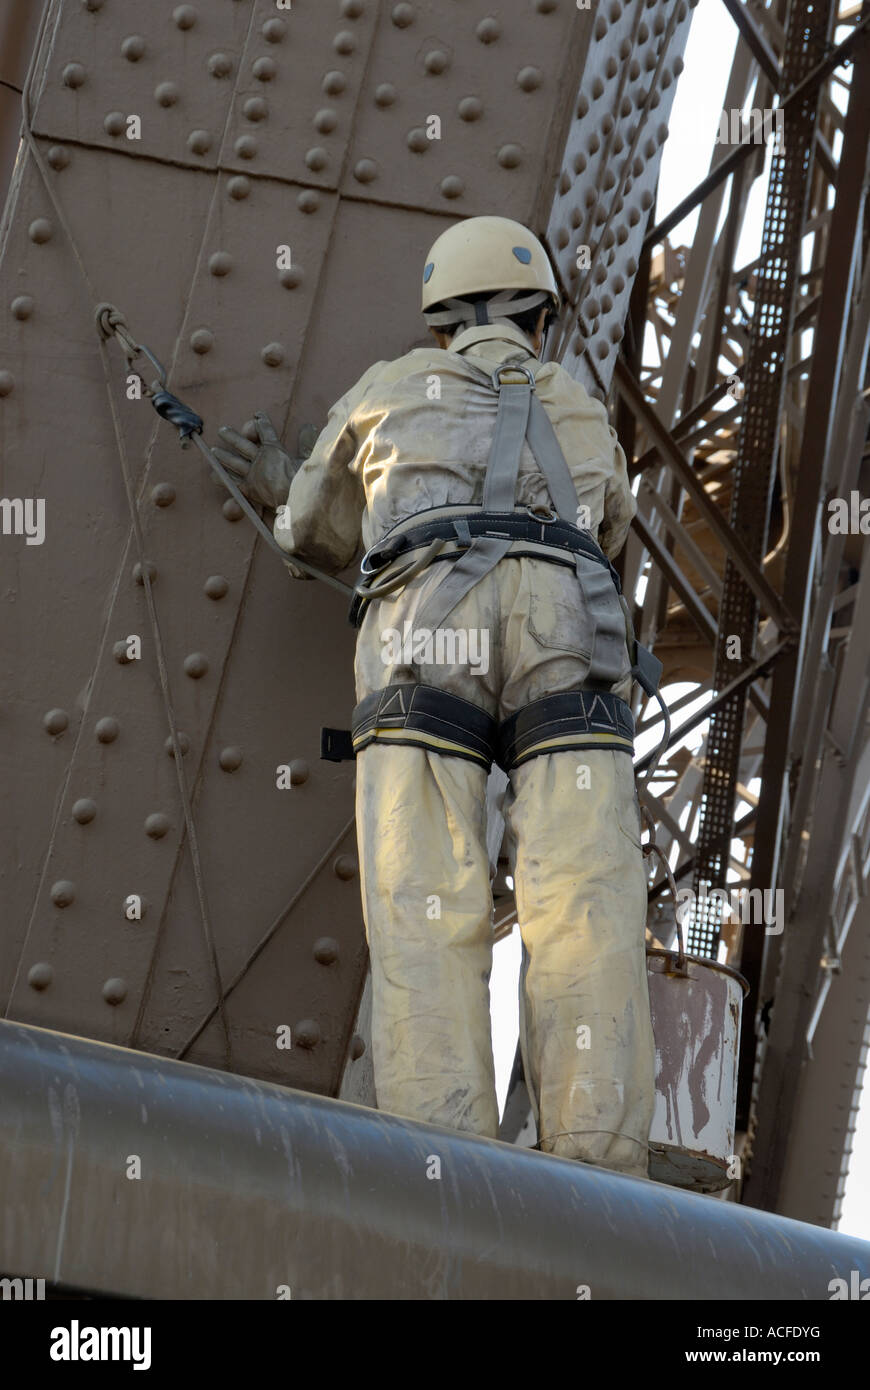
(414, 434)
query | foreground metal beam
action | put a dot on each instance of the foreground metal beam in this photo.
(246, 1189)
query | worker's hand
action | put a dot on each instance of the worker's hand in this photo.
(264, 470)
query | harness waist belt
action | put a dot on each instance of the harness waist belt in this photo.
(516, 526)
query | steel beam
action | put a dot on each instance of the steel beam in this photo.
(247, 1189)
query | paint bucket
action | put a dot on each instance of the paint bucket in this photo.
(696, 1006)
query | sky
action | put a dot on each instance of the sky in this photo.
(686, 160)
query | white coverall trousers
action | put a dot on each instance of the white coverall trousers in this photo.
(574, 841)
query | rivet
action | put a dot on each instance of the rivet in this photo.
(562, 238)
(545, 6)
(231, 510)
(166, 94)
(622, 236)
(184, 16)
(246, 147)
(682, 11)
(565, 182)
(221, 263)
(84, 810)
(325, 121)
(63, 893)
(649, 148)
(156, 825)
(183, 743)
(470, 108)
(199, 141)
(601, 348)
(216, 586)
(115, 123)
(590, 197)
(195, 665)
(416, 140)
(615, 11)
(133, 48)
(326, 950)
(608, 180)
(452, 186)
(658, 24)
(115, 991)
(255, 109)
(616, 332)
(163, 495)
(58, 157)
(291, 277)
(265, 69)
(488, 30)
(593, 144)
(606, 124)
(618, 144)
(509, 156)
(107, 730)
(625, 48)
(56, 721)
(582, 105)
(344, 42)
(655, 99)
(345, 867)
(307, 1033)
(599, 274)
(402, 16)
(631, 265)
(334, 83)
(202, 341)
(606, 303)
(597, 88)
(317, 158)
(119, 652)
(611, 67)
(274, 30)
(273, 354)
(239, 187)
(678, 62)
(308, 200)
(22, 306)
(637, 166)
(351, 9)
(600, 27)
(230, 759)
(576, 218)
(662, 133)
(625, 110)
(649, 62)
(385, 94)
(40, 231)
(299, 772)
(591, 307)
(139, 572)
(357, 1045)
(40, 976)
(436, 61)
(74, 75)
(220, 65)
(608, 238)
(618, 283)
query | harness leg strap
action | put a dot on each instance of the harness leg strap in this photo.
(418, 716)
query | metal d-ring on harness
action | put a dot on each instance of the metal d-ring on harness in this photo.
(474, 540)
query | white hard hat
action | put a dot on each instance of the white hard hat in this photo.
(485, 254)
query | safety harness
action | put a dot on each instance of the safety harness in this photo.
(474, 540)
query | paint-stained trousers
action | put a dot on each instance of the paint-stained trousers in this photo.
(573, 830)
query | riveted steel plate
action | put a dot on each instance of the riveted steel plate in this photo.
(607, 183)
(174, 66)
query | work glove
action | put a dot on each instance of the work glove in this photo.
(263, 469)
